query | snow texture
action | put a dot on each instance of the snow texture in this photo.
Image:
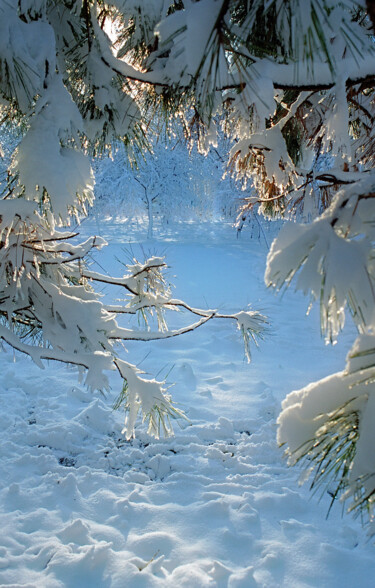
(214, 505)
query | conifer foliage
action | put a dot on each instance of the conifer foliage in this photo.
(291, 84)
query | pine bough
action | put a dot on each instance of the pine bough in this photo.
(329, 425)
(50, 311)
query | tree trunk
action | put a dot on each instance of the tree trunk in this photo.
(150, 228)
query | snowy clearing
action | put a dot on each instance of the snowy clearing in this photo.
(213, 506)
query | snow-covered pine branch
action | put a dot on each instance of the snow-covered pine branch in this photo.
(328, 427)
(329, 424)
(49, 309)
(332, 258)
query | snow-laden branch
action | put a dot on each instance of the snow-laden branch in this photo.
(49, 310)
(133, 282)
(149, 397)
(313, 254)
(75, 252)
(328, 427)
(95, 363)
(130, 335)
(252, 324)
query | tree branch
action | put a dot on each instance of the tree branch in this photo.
(39, 353)
(129, 335)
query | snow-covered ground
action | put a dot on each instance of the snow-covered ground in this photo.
(215, 505)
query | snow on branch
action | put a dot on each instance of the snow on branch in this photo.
(328, 428)
(330, 259)
(64, 182)
(94, 363)
(149, 397)
(149, 292)
(49, 310)
(23, 61)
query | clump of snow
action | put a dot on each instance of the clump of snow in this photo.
(65, 177)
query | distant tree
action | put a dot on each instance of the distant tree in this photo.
(291, 84)
(160, 184)
(169, 184)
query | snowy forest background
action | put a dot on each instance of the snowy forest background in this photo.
(231, 140)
